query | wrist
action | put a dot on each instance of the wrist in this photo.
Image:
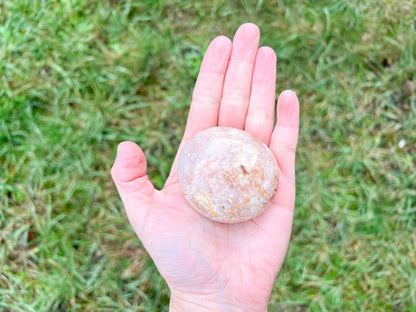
(180, 302)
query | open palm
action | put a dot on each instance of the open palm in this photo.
(210, 265)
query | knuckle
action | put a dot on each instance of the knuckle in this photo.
(281, 146)
(234, 97)
(204, 99)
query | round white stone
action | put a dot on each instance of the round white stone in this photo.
(228, 175)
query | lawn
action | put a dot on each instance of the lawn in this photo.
(79, 76)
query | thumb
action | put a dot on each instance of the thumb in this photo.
(129, 171)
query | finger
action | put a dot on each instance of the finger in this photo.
(260, 115)
(208, 87)
(206, 97)
(277, 219)
(285, 135)
(129, 172)
(236, 91)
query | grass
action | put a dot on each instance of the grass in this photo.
(78, 77)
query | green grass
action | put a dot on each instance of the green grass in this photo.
(78, 77)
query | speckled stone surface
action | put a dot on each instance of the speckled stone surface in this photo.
(228, 175)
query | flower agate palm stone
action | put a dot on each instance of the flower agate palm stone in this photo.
(228, 175)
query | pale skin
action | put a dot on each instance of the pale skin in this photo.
(211, 266)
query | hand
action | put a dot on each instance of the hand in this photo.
(211, 266)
